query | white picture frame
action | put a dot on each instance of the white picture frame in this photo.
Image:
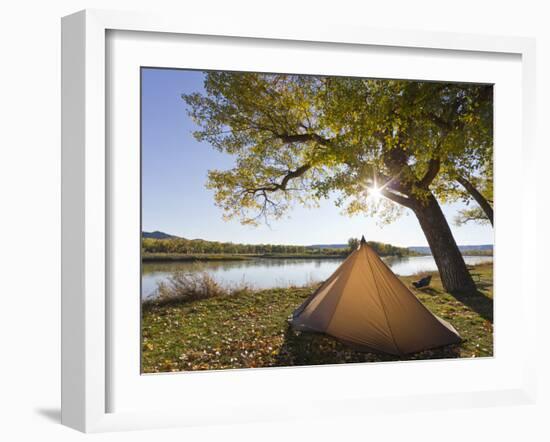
(86, 206)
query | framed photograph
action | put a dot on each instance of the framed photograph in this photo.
(264, 222)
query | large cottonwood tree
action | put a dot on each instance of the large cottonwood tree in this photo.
(301, 138)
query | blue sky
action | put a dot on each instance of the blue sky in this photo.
(175, 200)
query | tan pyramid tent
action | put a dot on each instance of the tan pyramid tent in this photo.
(365, 304)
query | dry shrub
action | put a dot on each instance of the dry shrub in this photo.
(188, 287)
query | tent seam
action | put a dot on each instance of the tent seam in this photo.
(339, 299)
(383, 305)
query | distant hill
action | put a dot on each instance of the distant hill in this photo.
(478, 247)
(464, 249)
(158, 235)
(421, 250)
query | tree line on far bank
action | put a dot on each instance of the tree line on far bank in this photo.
(199, 246)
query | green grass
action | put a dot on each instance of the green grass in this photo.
(250, 330)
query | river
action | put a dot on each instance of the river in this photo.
(267, 273)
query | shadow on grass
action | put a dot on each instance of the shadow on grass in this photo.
(308, 348)
(428, 291)
(478, 302)
(484, 285)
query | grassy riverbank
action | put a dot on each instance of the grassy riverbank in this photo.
(249, 329)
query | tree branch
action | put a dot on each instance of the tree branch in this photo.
(278, 186)
(399, 199)
(292, 174)
(300, 138)
(480, 199)
(440, 122)
(433, 169)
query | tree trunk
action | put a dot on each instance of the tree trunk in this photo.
(450, 263)
(480, 199)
